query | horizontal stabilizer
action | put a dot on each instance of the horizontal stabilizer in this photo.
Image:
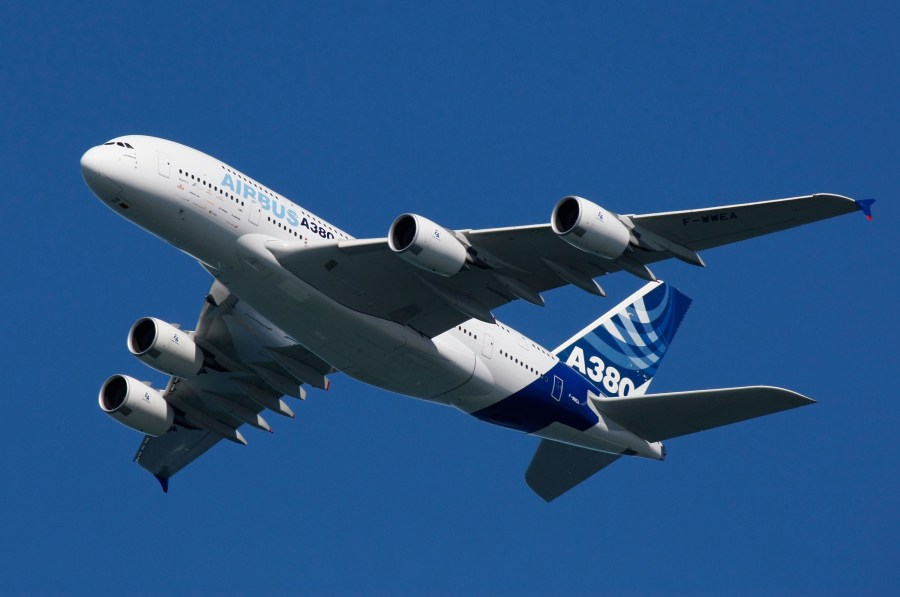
(556, 468)
(656, 417)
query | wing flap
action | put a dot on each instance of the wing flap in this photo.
(556, 467)
(656, 417)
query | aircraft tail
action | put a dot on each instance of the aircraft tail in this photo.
(621, 351)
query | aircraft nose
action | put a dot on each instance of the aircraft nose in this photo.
(91, 163)
(95, 167)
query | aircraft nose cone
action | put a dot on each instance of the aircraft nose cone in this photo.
(95, 166)
(91, 163)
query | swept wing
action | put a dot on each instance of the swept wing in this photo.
(505, 264)
(251, 365)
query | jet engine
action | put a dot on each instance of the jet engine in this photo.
(136, 405)
(426, 245)
(589, 227)
(165, 348)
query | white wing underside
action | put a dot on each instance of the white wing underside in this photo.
(366, 276)
(250, 379)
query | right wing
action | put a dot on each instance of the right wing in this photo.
(657, 417)
(252, 365)
(505, 264)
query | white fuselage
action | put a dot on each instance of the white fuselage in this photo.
(223, 219)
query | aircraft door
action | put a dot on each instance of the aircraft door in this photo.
(163, 165)
(487, 349)
(254, 213)
(557, 390)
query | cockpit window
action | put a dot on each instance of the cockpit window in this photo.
(119, 143)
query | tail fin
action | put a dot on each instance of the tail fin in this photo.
(621, 350)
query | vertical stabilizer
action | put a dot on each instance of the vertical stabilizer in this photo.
(620, 352)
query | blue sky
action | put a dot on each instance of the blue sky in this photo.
(475, 115)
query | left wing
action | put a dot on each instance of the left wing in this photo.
(250, 365)
(504, 264)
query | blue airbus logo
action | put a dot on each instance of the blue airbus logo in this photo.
(272, 206)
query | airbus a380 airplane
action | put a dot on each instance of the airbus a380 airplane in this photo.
(295, 299)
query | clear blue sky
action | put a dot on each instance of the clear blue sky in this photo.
(475, 115)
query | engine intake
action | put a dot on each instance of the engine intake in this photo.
(426, 245)
(587, 226)
(165, 348)
(136, 405)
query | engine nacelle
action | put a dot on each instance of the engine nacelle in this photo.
(165, 348)
(426, 245)
(136, 405)
(589, 227)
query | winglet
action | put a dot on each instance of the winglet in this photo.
(866, 206)
(164, 481)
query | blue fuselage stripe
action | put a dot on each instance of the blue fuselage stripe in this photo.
(534, 407)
